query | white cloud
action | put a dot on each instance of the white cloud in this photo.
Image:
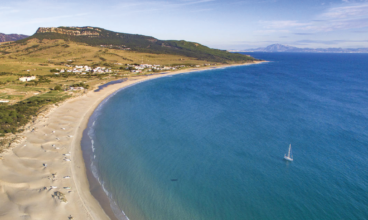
(353, 11)
(333, 19)
(335, 25)
(202, 10)
(8, 10)
(133, 7)
(161, 4)
(253, 2)
(194, 2)
(281, 24)
(271, 31)
(329, 42)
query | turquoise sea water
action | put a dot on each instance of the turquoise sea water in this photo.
(209, 145)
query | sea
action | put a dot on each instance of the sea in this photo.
(210, 145)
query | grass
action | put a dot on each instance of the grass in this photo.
(11, 97)
(21, 88)
(20, 59)
(4, 79)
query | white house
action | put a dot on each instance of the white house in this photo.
(27, 78)
(76, 88)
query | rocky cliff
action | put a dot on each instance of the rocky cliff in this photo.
(75, 31)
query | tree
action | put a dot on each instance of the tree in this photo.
(58, 88)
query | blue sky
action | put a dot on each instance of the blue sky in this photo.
(231, 24)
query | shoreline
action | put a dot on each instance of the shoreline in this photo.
(27, 184)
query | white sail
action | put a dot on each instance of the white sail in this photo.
(289, 156)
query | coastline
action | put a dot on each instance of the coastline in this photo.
(23, 174)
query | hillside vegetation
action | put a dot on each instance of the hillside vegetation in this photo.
(14, 116)
(140, 43)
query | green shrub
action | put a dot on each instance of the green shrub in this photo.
(58, 88)
(86, 86)
(15, 116)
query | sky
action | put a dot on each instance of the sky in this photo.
(223, 24)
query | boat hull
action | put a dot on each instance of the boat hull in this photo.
(288, 158)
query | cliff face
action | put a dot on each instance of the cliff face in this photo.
(11, 37)
(77, 31)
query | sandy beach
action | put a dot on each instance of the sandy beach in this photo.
(44, 176)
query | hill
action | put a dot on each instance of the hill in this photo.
(286, 48)
(11, 37)
(100, 37)
(40, 57)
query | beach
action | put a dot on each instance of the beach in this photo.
(44, 176)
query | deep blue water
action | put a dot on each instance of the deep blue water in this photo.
(209, 145)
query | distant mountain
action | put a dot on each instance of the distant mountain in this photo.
(280, 48)
(94, 36)
(285, 48)
(11, 37)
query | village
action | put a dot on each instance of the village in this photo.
(133, 68)
(151, 68)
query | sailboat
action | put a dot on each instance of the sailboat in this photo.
(289, 156)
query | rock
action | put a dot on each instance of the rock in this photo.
(79, 32)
